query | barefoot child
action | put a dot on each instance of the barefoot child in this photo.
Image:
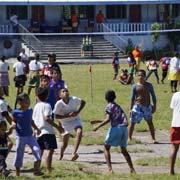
(118, 133)
(67, 110)
(22, 121)
(42, 116)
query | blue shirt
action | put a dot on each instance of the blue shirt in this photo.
(23, 122)
(116, 114)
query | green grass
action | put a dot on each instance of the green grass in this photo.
(78, 80)
(160, 161)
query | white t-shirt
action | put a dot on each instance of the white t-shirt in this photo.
(3, 108)
(33, 66)
(62, 108)
(24, 56)
(4, 66)
(174, 64)
(40, 112)
(175, 105)
(14, 19)
(19, 68)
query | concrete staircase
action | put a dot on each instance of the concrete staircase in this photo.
(68, 48)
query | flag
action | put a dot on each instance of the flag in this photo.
(90, 69)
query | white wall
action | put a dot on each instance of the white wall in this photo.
(146, 40)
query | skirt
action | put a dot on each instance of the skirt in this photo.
(4, 79)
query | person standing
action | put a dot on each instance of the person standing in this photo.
(174, 73)
(20, 77)
(35, 68)
(115, 64)
(118, 133)
(14, 21)
(175, 130)
(99, 20)
(67, 109)
(42, 117)
(165, 61)
(138, 57)
(141, 107)
(25, 59)
(74, 20)
(22, 122)
(152, 67)
(4, 75)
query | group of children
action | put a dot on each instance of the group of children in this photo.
(126, 76)
(52, 101)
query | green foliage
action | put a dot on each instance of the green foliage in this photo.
(155, 35)
(174, 37)
(129, 47)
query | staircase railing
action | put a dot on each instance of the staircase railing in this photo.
(31, 40)
(114, 39)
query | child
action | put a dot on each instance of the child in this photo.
(132, 64)
(115, 64)
(165, 64)
(47, 69)
(125, 78)
(22, 121)
(118, 133)
(25, 59)
(4, 76)
(56, 83)
(4, 108)
(67, 110)
(5, 147)
(35, 68)
(20, 77)
(42, 118)
(175, 130)
(152, 67)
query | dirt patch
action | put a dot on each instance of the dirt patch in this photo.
(92, 156)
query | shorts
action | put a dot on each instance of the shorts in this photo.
(47, 141)
(33, 79)
(71, 125)
(20, 80)
(116, 69)
(140, 112)
(117, 136)
(131, 70)
(175, 135)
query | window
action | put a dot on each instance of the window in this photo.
(86, 12)
(116, 11)
(21, 11)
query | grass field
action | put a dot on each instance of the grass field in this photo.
(78, 80)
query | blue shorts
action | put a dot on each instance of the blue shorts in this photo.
(117, 136)
(47, 141)
(140, 112)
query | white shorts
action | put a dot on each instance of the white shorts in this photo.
(70, 125)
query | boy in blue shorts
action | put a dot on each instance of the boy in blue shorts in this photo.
(118, 133)
(141, 104)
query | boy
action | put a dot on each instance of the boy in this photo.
(118, 133)
(67, 109)
(22, 121)
(42, 118)
(141, 105)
